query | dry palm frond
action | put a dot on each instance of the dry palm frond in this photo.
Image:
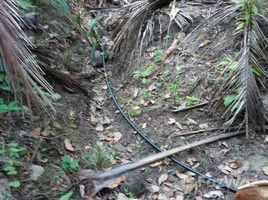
(17, 60)
(182, 19)
(133, 30)
(203, 29)
(241, 81)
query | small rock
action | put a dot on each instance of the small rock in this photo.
(35, 172)
(214, 194)
(99, 128)
(203, 126)
(121, 196)
(208, 64)
(93, 120)
(97, 60)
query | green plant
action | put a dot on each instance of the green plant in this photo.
(167, 37)
(228, 62)
(128, 193)
(25, 4)
(4, 81)
(173, 87)
(229, 100)
(147, 94)
(67, 196)
(250, 12)
(51, 97)
(157, 55)
(135, 111)
(14, 184)
(68, 163)
(11, 106)
(143, 74)
(191, 100)
(100, 158)
(13, 152)
(177, 98)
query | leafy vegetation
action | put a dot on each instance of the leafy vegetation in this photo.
(100, 157)
(12, 153)
(157, 55)
(191, 100)
(68, 163)
(143, 74)
(134, 111)
(174, 89)
(129, 194)
(67, 196)
(147, 94)
(11, 106)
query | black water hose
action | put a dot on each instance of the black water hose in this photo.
(150, 142)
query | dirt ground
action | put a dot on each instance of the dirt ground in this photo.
(86, 122)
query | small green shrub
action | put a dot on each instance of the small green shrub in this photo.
(100, 158)
(13, 153)
(147, 94)
(135, 111)
(11, 106)
(157, 55)
(191, 100)
(143, 74)
(68, 163)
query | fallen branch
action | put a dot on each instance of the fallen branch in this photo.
(191, 107)
(198, 131)
(100, 178)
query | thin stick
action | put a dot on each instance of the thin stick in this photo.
(36, 149)
(117, 171)
(196, 132)
(191, 107)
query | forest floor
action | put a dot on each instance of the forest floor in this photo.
(96, 133)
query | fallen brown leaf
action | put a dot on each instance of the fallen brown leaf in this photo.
(56, 125)
(35, 133)
(68, 145)
(116, 182)
(162, 178)
(117, 136)
(156, 164)
(167, 161)
(234, 164)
